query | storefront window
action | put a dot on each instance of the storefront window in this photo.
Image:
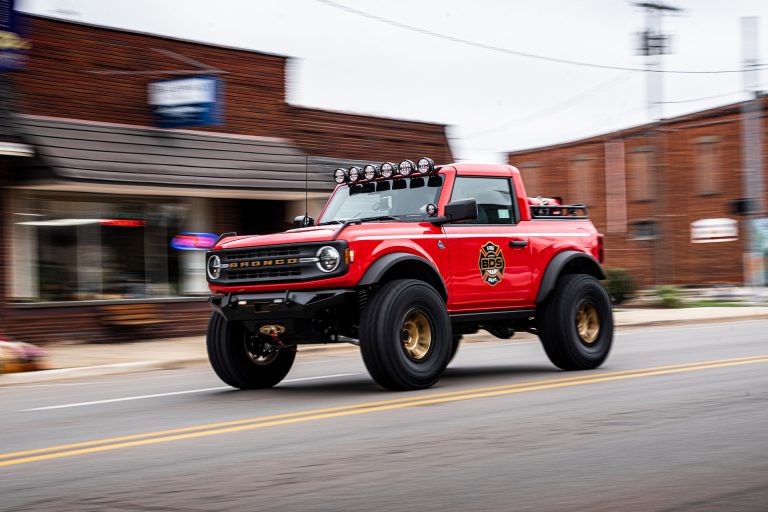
(96, 247)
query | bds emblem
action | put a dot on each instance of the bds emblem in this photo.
(491, 263)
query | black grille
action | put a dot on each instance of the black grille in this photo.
(250, 254)
(263, 274)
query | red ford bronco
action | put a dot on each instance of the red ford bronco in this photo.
(404, 260)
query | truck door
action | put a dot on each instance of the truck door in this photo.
(490, 257)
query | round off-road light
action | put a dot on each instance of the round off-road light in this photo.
(369, 172)
(214, 267)
(387, 169)
(354, 174)
(340, 175)
(328, 258)
(407, 167)
(426, 165)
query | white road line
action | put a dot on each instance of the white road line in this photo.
(173, 393)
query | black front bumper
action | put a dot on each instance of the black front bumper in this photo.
(280, 305)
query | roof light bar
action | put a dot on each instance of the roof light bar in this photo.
(369, 172)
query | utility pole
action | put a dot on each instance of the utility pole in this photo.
(751, 145)
(653, 44)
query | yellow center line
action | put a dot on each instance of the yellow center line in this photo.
(115, 443)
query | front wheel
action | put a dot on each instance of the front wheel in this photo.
(242, 360)
(576, 323)
(405, 335)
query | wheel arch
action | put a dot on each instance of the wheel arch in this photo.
(567, 262)
(402, 265)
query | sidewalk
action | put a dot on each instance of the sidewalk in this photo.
(68, 361)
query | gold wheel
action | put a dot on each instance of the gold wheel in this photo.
(587, 322)
(416, 335)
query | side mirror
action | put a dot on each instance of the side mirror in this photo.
(303, 221)
(466, 209)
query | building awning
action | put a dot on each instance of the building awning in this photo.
(114, 154)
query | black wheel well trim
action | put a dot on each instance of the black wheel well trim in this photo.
(567, 262)
(384, 264)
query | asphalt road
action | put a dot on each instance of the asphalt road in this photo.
(676, 420)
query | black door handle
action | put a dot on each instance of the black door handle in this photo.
(518, 243)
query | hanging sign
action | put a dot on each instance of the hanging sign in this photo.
(13, 45)
(186, 102)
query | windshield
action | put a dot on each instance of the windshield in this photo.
(406, 199)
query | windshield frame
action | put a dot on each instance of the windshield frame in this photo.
(387, 216)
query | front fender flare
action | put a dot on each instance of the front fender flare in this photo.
(380, 267)
(567, 260)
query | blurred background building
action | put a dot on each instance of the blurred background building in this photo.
(112, 142)
(669, 196)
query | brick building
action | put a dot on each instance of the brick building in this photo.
(92, 191)
(646, 185)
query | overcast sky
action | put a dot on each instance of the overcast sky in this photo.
(491, 100)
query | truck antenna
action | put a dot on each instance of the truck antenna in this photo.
(306, 186)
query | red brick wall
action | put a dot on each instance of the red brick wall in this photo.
(59, 79)
(675, 201)
(334, 134)
(59, 82)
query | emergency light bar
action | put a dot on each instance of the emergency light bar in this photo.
(406, 168)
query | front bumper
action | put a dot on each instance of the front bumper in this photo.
(283, 305)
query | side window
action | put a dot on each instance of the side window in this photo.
(493, 196)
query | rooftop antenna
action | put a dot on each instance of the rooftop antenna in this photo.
(306, 186)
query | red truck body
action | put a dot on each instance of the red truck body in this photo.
(404, 264)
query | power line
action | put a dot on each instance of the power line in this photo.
(484, 46)
(691, 100)
(567, 103)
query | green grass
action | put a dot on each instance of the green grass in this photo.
(719, 303)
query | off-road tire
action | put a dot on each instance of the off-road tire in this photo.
(557, 323)
(230, 360)
(455, 342)
(382, 332)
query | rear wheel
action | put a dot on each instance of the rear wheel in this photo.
(243, 360)
(576, 323)
(405, 335)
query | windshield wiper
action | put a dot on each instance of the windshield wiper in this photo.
(378, 217)
(349, 222)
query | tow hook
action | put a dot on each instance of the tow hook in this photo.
(273, 331)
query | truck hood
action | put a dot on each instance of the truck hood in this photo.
(326, 233)
(293, 236)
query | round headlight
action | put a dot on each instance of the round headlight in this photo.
(354, 174)
(387, 169)
(340, 175)
(426, 165)
(214, 267)
(369, 172)
(407, 167)
(328, 258)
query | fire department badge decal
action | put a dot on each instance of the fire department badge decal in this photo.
(491, 263)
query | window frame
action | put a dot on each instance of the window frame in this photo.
(515, 208)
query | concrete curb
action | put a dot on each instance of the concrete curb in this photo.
(11, 379)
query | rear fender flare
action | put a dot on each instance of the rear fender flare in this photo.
(567, 262)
